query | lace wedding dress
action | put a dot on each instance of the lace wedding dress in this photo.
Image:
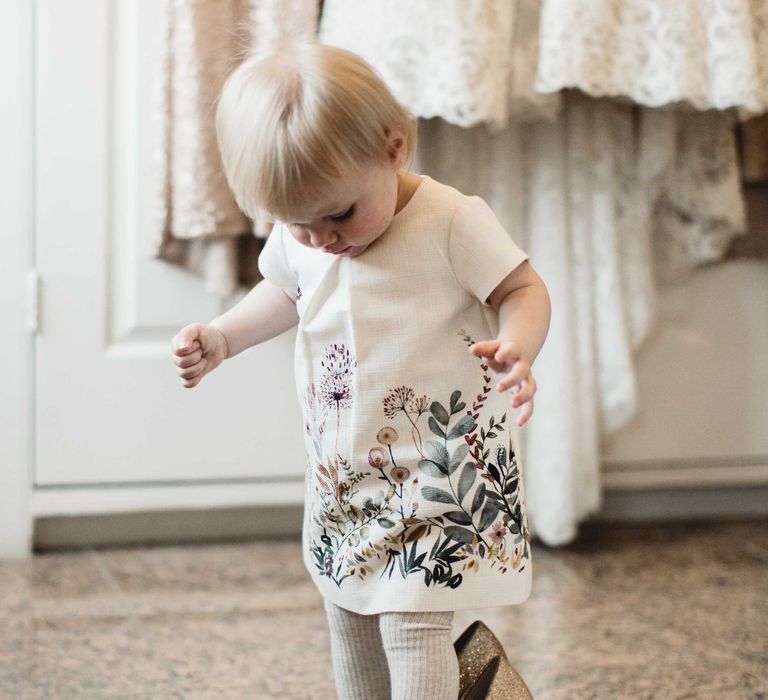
(467, 61)
(197, 222)
(711, 54)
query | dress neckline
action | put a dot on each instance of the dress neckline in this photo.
(407, 205)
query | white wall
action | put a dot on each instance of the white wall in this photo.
(16, 222)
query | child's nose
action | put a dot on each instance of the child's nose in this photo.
(322, 236)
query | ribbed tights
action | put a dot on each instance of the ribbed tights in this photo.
(393, 655)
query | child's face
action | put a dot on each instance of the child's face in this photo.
(353, 214)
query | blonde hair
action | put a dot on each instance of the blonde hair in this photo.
(290, 124)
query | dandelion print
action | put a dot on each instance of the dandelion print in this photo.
(336, 391)
(402, 400)
(336, 382)
(397, 400)
(338, 360)
(419, 406)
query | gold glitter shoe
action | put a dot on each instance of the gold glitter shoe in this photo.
(476, 648)
(498, 681)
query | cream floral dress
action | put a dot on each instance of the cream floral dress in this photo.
(414, 481)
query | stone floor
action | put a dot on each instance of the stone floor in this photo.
(628, 611)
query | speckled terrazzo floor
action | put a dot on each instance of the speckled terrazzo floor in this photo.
(628, 611)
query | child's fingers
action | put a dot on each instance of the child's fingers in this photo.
(195, 379)
(484, 348)
(508, 353)
(511, 379)
(184, 346)
(193, 358)
(193, 371)
(519, 374)
(190, 346)
(526, 413)
(527, 390)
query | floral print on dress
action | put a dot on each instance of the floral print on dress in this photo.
(463, 494)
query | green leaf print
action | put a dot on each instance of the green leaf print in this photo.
(429, 467)
(432, 493)
(459, 534)
(496, 498)
(477, 501)
(439, 412)
(490, 511)
(458, 456)
(435, 428)
(462, 427)
(467, 479)
(437, 454)
(459, 517)
(457, 405)
(511, 487)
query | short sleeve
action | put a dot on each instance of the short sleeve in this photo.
(481, 251)
(273, 262)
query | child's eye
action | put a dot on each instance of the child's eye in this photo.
(344, 215)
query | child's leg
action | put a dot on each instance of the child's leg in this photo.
(359, 661)
(421, 656)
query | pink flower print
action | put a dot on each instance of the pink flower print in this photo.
(378, 458)
(497, 532)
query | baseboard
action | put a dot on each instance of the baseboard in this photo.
(271, 522)
(659, 505)
(167, 527)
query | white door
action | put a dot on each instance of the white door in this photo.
(110, 408)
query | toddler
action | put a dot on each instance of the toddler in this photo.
(409, 296)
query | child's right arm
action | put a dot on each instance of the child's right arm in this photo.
(265, 312)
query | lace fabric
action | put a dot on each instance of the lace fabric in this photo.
(709, 54)
(587, 196)
(198, 225)
(466, 61)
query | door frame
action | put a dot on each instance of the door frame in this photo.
(17, 209)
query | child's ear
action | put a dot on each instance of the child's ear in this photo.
(396, 146)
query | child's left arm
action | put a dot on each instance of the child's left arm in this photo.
(524, 309)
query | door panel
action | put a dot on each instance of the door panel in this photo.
(109, 405)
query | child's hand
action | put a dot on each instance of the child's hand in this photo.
(506, 356)
(198, 349)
